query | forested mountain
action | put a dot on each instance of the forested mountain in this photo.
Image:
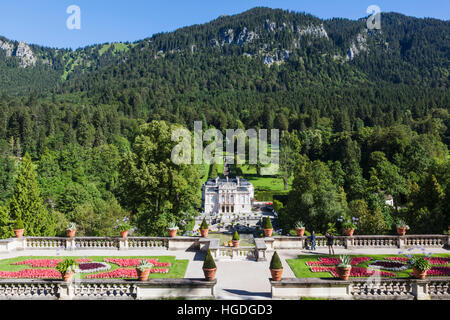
(368, 107)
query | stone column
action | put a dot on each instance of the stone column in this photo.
(66, 291)
(420, 290)
(401, 242)
(70, 244)
(123, 244)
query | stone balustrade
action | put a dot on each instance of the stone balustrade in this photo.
(359, 289)
(361, 241)
(21, 289)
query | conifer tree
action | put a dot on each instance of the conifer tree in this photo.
(26, 202)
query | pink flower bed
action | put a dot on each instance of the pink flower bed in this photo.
(31, 273)
(354, 272)
(135, 262)
(335, 261)
(439, 271)
(122, 273)
(46, 263)
(433, 261)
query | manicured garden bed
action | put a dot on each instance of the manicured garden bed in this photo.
(91, 267)
(389, 266)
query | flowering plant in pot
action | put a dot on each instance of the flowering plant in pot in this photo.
(344, 267)
(204, 228)
(349, 225)
(300, 228)
(143, 270)
(420, 267)
(267, 226)
(19, 228)
(235, 239)
(209, 267)
(402, 227)
(276, 267)
(67, 268)
(71, 229)
(123, 226)
(173, 229)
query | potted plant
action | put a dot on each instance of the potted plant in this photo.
(204, 228)
(420, 267)
(276, 267)
(67, 268)
(349, 225)
(19, 228)
(344, 267)
(300, 228)
(267, 226)
(402, 227)
(173, 230)
(71, 229)
(143, 270)
(124, 226)
(235, 239)
(209, 267)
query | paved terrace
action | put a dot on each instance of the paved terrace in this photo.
(236, 279)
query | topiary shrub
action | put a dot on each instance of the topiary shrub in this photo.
(18, 224)
(209, 261)
(204, 224)
(236, 236)
(275, 262)
(267, 223)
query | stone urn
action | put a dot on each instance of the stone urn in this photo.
(268, 232)
(210, 274)
(204, 232)
(173, 233)
(124, 234)
(67, 277)
(19, 233)
(419, 274)
(401, 231)
(300, 231)
(143, 275)
(349, 232)
(71, 233)
(276, 274)
(343, 272)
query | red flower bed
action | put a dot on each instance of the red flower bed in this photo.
(335, 261)
(46, 263)
(433, 261)
(31, 273)
(355, 272)
(439, 271)
(135, 262)
(122, 273)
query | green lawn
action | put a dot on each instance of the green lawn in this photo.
(301, 270)
(176, 270)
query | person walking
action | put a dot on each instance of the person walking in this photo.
(312, 239)
(330, 242)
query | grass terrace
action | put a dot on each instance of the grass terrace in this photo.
(321, 266)
(44, 267)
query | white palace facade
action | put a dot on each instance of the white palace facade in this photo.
(227, 196)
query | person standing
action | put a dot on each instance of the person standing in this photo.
(312, 239)
(330, 242)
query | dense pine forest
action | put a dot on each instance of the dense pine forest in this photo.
(85, 134)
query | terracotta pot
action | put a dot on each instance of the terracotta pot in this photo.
(268, 232)
(401, 231)
(300, 231)
(124, 234)
(419, 274)
(71, 233)
(276, 274)
(204, 232)
(143, 275)
(235, 243)
(19, 232)
(349, 232)
(210, 274)
(173, 233)
(343, 273)
(67, 277)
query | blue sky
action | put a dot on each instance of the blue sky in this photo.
(44, 21)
